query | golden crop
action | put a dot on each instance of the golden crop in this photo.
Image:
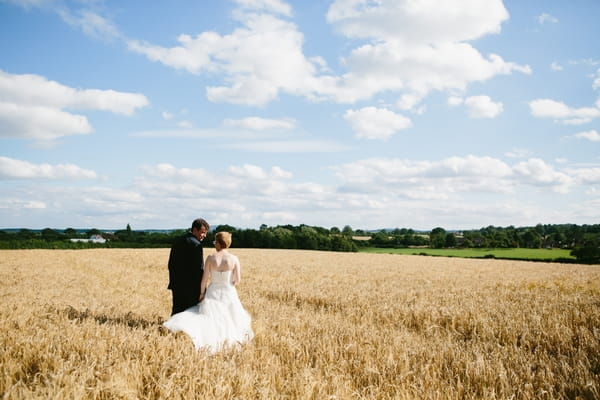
(86, 324)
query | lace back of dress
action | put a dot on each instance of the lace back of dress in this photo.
(221, 277)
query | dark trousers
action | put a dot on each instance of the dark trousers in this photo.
(182, 301)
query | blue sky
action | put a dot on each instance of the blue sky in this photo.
(373, 114)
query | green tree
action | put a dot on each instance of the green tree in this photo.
(51, 235)
(450, 240)
(70, 233)
(347, 231)
(588, 253)
(283, 238)
(437, 238)
(307, 238)
(531, 239)
(93, 231)
(225, 228)
(380, 239)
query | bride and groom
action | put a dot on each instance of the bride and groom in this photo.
(206, 305)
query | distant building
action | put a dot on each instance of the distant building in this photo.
(92, 239)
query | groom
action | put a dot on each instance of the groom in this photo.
(186, 266)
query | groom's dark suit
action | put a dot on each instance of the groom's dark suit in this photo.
(186, 266)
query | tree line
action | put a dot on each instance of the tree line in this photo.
(278, 237)
(583, 240)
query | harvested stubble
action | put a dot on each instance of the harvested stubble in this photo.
(86, 324)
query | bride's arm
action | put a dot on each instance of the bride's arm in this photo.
(205, 277)
(237, 272)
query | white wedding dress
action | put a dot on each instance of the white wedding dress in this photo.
(217, 321)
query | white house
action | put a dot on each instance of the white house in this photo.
(92, 239)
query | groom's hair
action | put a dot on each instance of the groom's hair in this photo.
(224, 239)
(199, 223)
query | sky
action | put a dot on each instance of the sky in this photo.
(364, 113)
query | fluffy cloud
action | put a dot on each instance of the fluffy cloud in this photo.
(518, 153)
(18, 169)
(560, 112)
(417, 21)
(31, 106)
(37, 90)
(469, 192)
(545, 17)
(592, 135)
(417, 46)
(376, 189)
(39, 122)
(452, 175)
(536, 172)
(478, 106)
(276, 6)
(585, 176)
(483, 107)
(89, 22)
(259, 124)
(261, 59)
(411, 48)
(288, 146)
(375, 123)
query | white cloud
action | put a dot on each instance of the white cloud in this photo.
(417, 46)
(276, 6)
(85, 19)
(369, 194)
(248, 171)
(411, 49)
(408, 102)
(90, 23)
(185, 124)
(482, 107)
(32, 106)
(375, 123)
(39, 122)
(18, 205)
(259, 124)
(545, 17)
(478, 106)
(259, 60)
(518, 153)
(586, 176)
(27, 4)
(596, 83)
(287, 146)
(585, 61)
(559, 111)
(450, 176)
(556, 66)
(537, 172)
(18, 169)
(592, 135)
(37, 90)
(166, 115)
(417, 21)
(455, 100)
(255, 172)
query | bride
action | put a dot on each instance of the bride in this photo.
(219, 319)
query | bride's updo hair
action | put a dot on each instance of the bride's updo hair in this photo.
(224, 239)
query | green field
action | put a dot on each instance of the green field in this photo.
(516, 253)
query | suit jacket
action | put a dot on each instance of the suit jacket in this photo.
(186, 266)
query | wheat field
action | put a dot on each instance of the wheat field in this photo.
(86, 324)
